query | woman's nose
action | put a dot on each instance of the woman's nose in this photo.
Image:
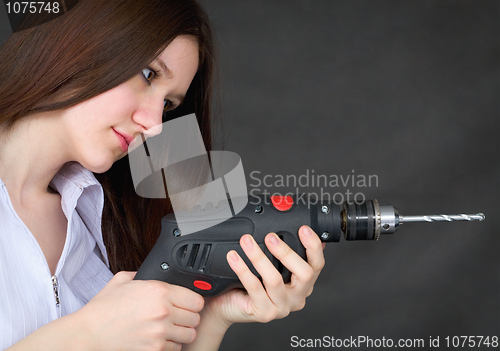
(150, 118)
(151, 132)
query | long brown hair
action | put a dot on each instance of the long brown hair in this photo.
(93, 48)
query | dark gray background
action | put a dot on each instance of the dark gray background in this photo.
(406, 90)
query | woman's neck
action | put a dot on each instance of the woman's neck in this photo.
(31, 153)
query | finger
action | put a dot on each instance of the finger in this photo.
(179, 334)
(272, 279)
(172, 346)
(301, 270)
(250, 282)
(185, 318)
(314, 249)
(186, 299)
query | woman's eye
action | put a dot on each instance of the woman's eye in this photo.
(148, 73)
(166, 104)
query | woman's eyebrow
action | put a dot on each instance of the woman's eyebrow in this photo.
(166, 70)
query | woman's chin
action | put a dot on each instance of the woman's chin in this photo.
(99, 166)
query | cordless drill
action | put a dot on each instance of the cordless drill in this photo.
(198, 261)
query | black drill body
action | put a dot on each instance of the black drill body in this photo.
(198, 260)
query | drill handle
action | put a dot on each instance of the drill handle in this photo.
(198, 261)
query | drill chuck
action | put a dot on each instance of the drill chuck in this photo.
(367, 220)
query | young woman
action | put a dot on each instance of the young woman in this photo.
(73, 92)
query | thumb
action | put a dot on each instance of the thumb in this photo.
(123, 277)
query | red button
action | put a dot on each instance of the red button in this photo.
(282, 203)
(200, 284)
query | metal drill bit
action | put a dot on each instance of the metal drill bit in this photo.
(442, 218)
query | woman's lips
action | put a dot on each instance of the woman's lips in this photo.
(123, 139)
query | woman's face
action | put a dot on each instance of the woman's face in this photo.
(99, 130)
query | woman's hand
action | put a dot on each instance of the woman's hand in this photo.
(140, 315)
(266, 301)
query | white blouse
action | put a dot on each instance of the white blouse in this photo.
(29, 296)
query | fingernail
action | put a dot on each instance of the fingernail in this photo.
(248, 241)
(233, 256)
(274, 239)
(308, 231)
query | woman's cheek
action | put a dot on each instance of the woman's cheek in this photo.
(120, 102)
